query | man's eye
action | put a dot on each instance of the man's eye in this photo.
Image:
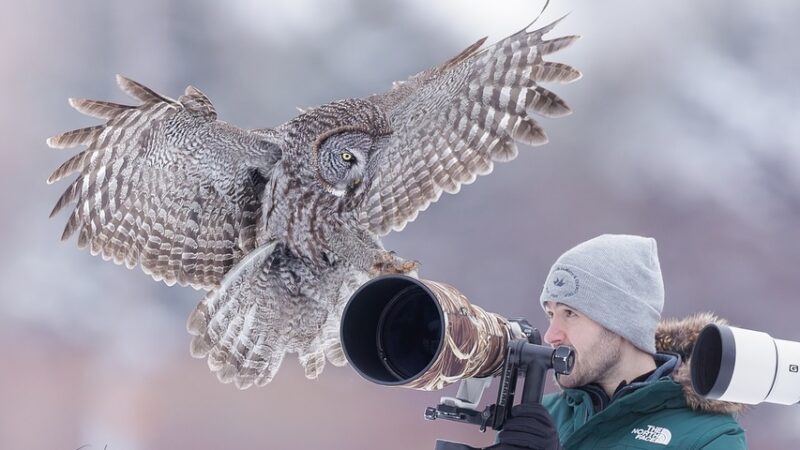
(569, 313)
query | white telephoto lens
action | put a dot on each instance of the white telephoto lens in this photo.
(786, 389)
(753, 367)
(745, 366)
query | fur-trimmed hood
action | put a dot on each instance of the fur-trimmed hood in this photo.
(678, 336)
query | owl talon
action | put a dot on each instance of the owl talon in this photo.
(409, 266)
(389, 263)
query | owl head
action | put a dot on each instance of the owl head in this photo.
(346, 136)
(343, 157)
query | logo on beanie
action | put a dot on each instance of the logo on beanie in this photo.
(562, 283)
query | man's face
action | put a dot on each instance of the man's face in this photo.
(597, 349)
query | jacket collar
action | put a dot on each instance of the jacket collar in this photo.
(665, 364)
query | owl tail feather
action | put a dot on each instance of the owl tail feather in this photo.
(246, 325)
(327, 345)
(233, 330)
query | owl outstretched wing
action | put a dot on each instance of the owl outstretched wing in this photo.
(166, 185)
(454, 121)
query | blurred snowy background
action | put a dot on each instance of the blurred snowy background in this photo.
(686, 128)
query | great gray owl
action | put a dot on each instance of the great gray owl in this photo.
(280, 225)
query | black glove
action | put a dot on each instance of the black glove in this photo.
(530, 427)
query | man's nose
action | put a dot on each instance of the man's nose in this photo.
(554, 335)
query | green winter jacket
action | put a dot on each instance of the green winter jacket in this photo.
(659, 413)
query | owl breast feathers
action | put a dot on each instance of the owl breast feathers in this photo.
(280, 225)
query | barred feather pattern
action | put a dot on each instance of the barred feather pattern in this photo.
(269, 304)
(453, 122)
(148, 190)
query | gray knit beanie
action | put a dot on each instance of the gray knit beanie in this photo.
(615, 280)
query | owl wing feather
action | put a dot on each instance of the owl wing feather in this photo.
(165, 184)
(452, 122)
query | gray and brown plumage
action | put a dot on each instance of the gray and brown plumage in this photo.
(280, 225)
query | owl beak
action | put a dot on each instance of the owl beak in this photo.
(355, 183)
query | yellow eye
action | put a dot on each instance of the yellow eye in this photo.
(347, 156)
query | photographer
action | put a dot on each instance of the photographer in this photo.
(604, 298)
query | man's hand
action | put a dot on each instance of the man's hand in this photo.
(530, 427)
